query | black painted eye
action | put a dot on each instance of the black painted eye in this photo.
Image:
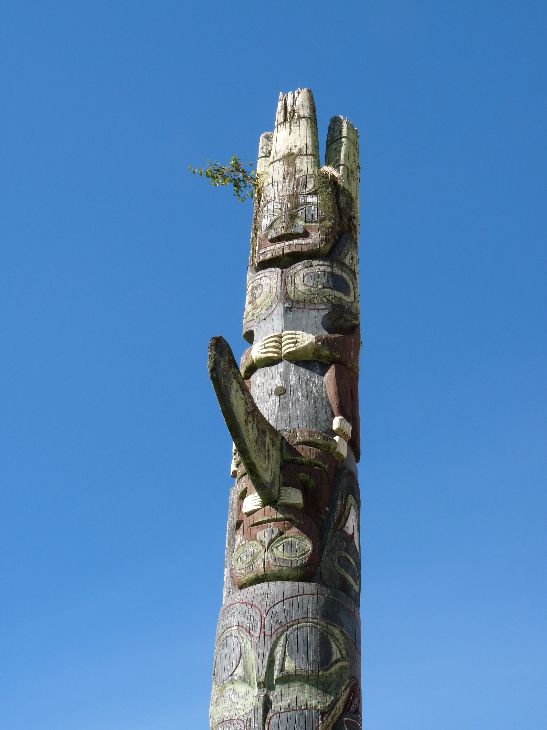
(227, 659)
(327, 280)
(309, 648)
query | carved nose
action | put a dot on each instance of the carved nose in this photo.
(260, 711)
(266, 536)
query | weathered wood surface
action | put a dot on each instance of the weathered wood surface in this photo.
(287, 656)
(257, 442)
(287, 652)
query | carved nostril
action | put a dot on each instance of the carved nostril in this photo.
(261, 710)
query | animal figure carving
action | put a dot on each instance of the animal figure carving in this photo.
(288, 650)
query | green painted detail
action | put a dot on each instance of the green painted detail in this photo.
(312, 282)
(247, 555)
(291, 548)
(342, 554)
(350, 502)
(262, 292)
(307, 667)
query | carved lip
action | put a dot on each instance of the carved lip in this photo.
(309, 236)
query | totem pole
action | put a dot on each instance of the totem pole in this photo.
(287, 653)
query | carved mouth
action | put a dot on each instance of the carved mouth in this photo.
(282, 234)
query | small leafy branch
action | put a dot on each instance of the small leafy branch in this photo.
(235, 173)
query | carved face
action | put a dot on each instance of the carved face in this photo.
(319, 296)
(319, 541)
(287, 657)
(302, 207)
(296, 217)
(281, 541)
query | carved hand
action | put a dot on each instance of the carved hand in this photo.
(298, 346)
(251, 504)
(267, 351)
(291, 345)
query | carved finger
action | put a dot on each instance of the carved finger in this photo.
(341, 427)
(251, 504)
(290, 343)
(298, 346)
(276, 338)
(270, 353)
(291, 335)
(267, 350)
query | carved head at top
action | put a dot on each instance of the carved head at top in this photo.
(301, 208)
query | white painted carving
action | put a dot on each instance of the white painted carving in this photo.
(341, 448)
(352, 526)
(342, 427)
(251, 504)
(267, 350)
(298, 346)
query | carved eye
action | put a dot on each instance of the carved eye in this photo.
(246, 555)
(309, 649)
(311, 214)
(270, 214)
(228, 660)
(291, 547)
(327, 280)
(305, 183)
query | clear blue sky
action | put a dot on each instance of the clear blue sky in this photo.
(117, 266)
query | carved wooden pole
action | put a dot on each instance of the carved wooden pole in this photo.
(287, 651)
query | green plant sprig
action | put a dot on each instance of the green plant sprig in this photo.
(244, 181)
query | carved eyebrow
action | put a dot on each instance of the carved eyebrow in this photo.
(331, 611)
(241, 615)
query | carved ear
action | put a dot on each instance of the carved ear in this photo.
(342, 154)
(258, 443)
(295, 143)
(264, 152)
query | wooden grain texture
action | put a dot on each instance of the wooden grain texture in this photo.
(287, 656)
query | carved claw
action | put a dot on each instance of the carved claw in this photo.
(258, 443)
(341, 427)
(235, 461)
